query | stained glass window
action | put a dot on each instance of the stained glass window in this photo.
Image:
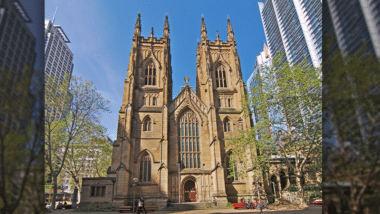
(145, 168)
(189, 153)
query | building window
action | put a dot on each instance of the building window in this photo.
(231, 170)
(229, 102)
(150, 74)
(154, 101)
(145, 168)
(189, 151)
(143, 101)
(227, 125)
(221, 77)
(147, 124)
(98, 191)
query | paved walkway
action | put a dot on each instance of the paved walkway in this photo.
(309, 210)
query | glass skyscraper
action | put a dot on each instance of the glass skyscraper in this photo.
(353, 23)
(58, 57)
(295, 28)
(16, 42)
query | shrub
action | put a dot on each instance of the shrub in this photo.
(229, 205)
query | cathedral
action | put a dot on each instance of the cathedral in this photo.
(176, 148)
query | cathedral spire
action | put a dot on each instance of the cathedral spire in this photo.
(217, 35)
(203, 29)
(138, 26)
(166, 27)
(151, 32)
(230, 31)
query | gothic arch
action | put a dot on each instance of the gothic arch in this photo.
(145, 120)
(181, 110)
(151, 58)
(227, 124)
(221, 61)
(138, 157)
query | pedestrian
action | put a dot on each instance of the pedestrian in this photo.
(214, 201)
(169, 203)
(59, 206)
(141, 205)
(250, 205)
(48, 209)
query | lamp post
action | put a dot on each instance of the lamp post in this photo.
(179, 183)
(258, 191)
(203, 183)
(135, 180)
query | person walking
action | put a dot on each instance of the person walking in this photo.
(141, 205)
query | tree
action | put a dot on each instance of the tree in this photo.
(81, 155)
(71, 109)
(287, 104)
(351, 105)
(101, 158)
(21, 142)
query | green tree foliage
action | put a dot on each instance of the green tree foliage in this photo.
(72, 110)
(21, 143)
(351, 105)
(101, 158)
(287, 103)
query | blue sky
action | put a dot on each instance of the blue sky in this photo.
(101, 38)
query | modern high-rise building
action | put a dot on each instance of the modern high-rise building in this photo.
(58, 57)
(262, 60)
(294, 28)
(17, 43)
(274, 114)
(348, 126)
(361, 25)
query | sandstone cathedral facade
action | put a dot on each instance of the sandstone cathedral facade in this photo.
(176, 148)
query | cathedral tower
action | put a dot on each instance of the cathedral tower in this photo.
(143, 122)
(220, 86)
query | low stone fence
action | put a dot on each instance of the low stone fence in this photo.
(295, 197)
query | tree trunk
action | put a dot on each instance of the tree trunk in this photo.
(300, 187)
(54, 190)
(267, 188)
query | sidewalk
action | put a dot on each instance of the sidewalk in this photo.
(209, 211)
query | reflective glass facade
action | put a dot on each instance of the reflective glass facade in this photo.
(295, 28)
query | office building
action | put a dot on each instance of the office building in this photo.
(350, 133)
(16, 41)
(353, 23)
(262, 61)
(58, 56)
(294, 28)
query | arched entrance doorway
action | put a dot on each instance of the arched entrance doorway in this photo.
(190, 193)
(274, 185)
(283, 180)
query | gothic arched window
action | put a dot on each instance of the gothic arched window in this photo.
(227, 125)
(145, 168)
(189, 151)
(147, 124)
(231, 168)
(154, 101)
(220, 75)
(150, 74)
